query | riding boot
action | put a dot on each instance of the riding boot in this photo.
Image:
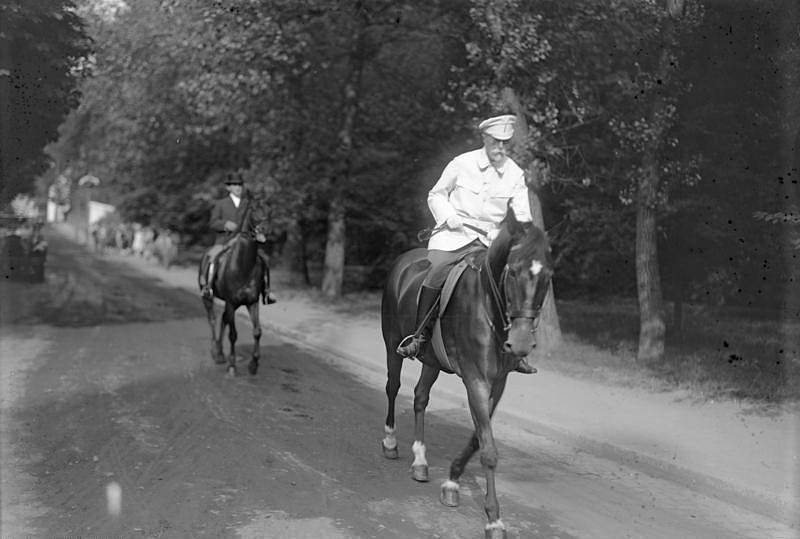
(426, 313)
(205, 287)
(524, 367)
(267, 297)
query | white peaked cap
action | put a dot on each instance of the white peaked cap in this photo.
(499, 127)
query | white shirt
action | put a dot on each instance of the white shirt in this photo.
(236, 200)
(473, 189)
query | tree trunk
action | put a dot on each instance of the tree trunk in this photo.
(294, 251)
(548, 334)
(788, 60)
(333, 275)
(652, 328)
(648, 278)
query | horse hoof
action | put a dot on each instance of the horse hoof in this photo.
(495, 533)
(252, 367)
(391, 454)
(449, 494)
(231, 372)
(420, 473)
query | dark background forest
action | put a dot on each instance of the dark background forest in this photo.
(659, 137)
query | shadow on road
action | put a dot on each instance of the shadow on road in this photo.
(82, 290)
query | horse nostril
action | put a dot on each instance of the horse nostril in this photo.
(507, 346)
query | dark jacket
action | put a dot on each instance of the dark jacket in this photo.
(223, 211)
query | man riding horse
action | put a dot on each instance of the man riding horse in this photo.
(227, 216)
(468, 203)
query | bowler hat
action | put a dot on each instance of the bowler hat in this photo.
(233, 178)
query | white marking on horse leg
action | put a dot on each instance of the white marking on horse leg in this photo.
(450, 485)
(419, 454)
(497, 524)
(389, 441)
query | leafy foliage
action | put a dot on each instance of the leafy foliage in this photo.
(44, 48)
(364, 103)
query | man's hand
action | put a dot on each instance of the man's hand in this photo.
(454, 222)
(230, 226)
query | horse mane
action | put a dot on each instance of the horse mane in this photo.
(524, 239)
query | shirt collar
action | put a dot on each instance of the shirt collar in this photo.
(484, 163)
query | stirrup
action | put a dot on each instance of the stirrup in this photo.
(410, 346)
(206, 292)
(268, 299)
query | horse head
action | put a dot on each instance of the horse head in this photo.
(521, 263)
(256, 220)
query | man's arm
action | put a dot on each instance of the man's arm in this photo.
(221, 220)
(439, 195)
(520, 202)
(217, 221)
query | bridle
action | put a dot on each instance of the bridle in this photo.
(503, 302)
(252, 232)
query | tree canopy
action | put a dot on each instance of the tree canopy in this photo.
(43, 50)
(344, 113)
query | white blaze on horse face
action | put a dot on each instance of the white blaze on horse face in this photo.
(419, 454)
(536, 267)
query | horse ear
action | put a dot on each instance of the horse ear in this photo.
(511, 219)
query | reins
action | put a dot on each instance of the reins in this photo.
(251, 233)
(501, 300)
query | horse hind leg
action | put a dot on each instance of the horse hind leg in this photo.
(230, 317)
(422, 392)
(252, 309)
(394, 365)
(216, 338)
(449, 494)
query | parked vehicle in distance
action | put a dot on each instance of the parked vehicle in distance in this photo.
(23, 248)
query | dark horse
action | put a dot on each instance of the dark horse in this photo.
(488, 323)
(238, 280)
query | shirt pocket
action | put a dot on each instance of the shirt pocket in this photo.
(467, 194)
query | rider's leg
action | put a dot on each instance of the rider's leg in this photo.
(427, 309)
(524, 367)
(428, 305)
(267, 298)
(207, 279)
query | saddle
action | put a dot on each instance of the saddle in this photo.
(467, 260)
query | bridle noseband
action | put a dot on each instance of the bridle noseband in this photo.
(503, 302)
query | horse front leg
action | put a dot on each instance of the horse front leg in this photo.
(216, 339)
(229, 317)
(394, 366)
(422, 393)
(252, 367)
(482, 403)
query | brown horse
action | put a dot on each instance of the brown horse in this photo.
(487, 324)
(238, 281)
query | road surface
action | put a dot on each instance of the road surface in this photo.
(107, 382)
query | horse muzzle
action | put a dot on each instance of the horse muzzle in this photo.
(521, 337)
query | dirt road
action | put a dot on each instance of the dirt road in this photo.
(107, 381)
